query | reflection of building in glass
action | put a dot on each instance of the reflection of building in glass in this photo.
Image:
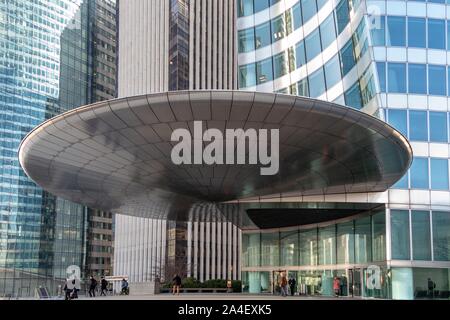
(45, 69)
(391, 63)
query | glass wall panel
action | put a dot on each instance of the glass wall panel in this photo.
(317, 83)
(400, 240)
(261, 5)
(342, 15)
(398, 119)
(345, 243)
(297, 16)
(396, 31)
(402, 183)
(419, 173)
(363, 240)
(381, 69)
(278, 28)
(431, 283)
(378, 34)
(397, 77)
(308, 247)
(436, 34)
(247, 76)
(353, 97)
(289, 248)
(246, 40)
(327, 245)
(439, 174)
(302, 88)
(438, 127)
(245, 8)
(251, 249)
(312, 44)
(416, 32)
(264, 71)
(402, 284)
(437, 80)
(347, 58)
(300, 58)
(309, 9)
(379, 236)
(417, 78)
(270, 255)
(280, 65)
(418, 128)
(441, 236)
(421, 235)
(332, 72)
(262, 35)
(327, 31)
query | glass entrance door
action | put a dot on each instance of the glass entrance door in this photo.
(355, 282)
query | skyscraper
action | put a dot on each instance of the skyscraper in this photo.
(46, 68)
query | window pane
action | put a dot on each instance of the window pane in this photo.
(289, 248)
(327, 31)
(261, 5)
(417, 78)
(308, 247)
(396, 31)
(303, 88)
(300, 58)
(327, 245)
(379, 236)
(439, 174)
(397, 77)
(264, 71)
(419, 173)
(251, 249)
(347, 57)
(280, 65)
(309, 9)
(262, 35)
(436, 80)
(416, 32)
(345, 243)
(379, 34)
(245, 8)
(402, 183)
(441, 236)
(312, 44)
(270, 249)
(247, 40)
(342, 15)
(418, 129)
(421, 236)
(247, 76)
(381, 69)
(436, 34)
(398, 119)
(297, 16)
(400, 235)
(332, 72)
(317, 83)
(353, 97)
(363, 240)
(278, 30)
(438, 126)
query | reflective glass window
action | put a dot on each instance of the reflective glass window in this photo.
(332, 72)
(379, 31)
(379, 236)
(398, 119)
(309, 9)
(347, 58)
(421, 235)
(261, 5)
(327, 245)
(396, 31)
(247, 76)
(289, 248)
(419, 173)
(321, 3)
(327, 31)
(437, 80)
(280, 65)
(417, 78)
(345, 242)
(278, 28)
(246, 40)
(438, 126)
(416, 32)
(342, 15)
(397, 77)
(251, 249)
(264, 71)
(418, 128)
(381, 69)
(353, 97)
(270, 253)
(245, 8)
(317, 83)
(439, 174)
(300, 57)
(297, 16)
(436, 34)
(308, 247)
(302, 88)
(312, 44)
(402, 183)
(262, 35)
(441, 236)
(363, 240)
(400, 240)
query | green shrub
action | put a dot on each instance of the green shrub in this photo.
(237, 285)
(191, 283)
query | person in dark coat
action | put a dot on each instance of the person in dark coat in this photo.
(104, 286)
(92, 287)
(292, 284)
(176, 284)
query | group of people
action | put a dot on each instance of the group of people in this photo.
(93, 286)
(284, 283)
(71, 288)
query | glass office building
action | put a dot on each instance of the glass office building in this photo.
(46, 68)
(386, 58)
